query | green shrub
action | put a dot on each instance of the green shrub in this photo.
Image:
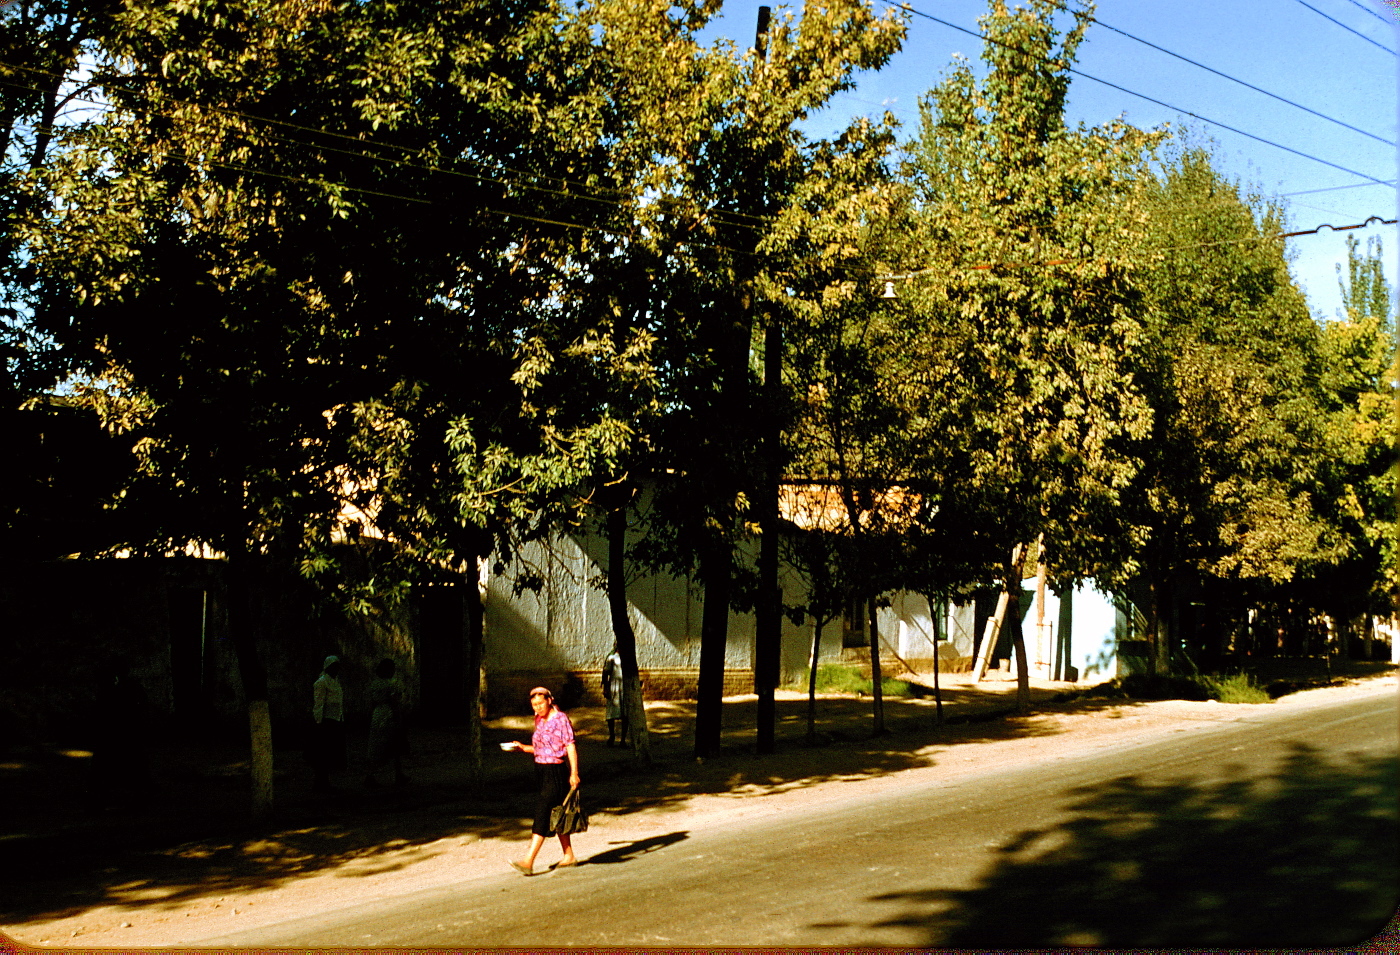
(840, 678)
(1239, 688)
(889, 686)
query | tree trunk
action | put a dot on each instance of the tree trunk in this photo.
(260, 736)
(934, 613)
(632, 703)
(474, 633)
(1018, 641)
(1158, 637)
(1153, 621)
(715, 573)
(876, 677)
(812, 659)
(1018, 637)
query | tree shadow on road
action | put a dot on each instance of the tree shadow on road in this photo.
(243, 858)
(844, 751)
(1307, 859)
(363, 834)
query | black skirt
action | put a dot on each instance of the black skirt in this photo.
(553, 779)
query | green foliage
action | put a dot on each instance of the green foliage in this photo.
(1359, 481)
(1231, 488)
(841, 678)
(1236, 688)
(1227, 469)
(1031, 326)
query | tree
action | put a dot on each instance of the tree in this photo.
(1358, 380)
(1227, 487)
(1030, 327)
(713, 295)
(41, 43)
(252, 231)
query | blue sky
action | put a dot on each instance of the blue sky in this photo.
(1281, 46)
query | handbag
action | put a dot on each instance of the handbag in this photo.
(568, 817)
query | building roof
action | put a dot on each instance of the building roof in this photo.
(818, 505)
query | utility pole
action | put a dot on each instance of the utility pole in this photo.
(768, 611)
(717, 554)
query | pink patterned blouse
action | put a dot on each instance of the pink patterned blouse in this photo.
(553, 734)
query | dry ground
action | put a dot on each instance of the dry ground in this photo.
(334, 859)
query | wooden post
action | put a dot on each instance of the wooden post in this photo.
(989, 637)
(994, 625)
(1041, 645)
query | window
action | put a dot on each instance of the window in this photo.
(853, 624)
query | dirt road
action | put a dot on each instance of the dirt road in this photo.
(209, 888)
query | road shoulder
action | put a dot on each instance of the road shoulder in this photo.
(210, 888)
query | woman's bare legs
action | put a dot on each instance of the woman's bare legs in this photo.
(527, 864)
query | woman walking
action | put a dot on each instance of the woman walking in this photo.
(556, 771)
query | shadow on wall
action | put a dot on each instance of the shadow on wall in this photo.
(665, 611)
(520, 656)
(1309, 859)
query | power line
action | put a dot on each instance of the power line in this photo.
(1340, 228)
(198, 162)
(1345, 27)
(986, 266)
(1233, 129)
(636, 234)
(1371, 12)
(1236, 79)
(1354, 185)
(719, 213)
(1144, 96)
(1224, 75)
(632, 233)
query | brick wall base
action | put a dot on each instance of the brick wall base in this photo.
(507, 692)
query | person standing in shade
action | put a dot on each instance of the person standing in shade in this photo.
(328, 710)
(386, 729)
(556, 771)
(615, 711)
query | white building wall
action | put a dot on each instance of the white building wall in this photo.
(567, 625)
(1095, 624)
(1094, 640)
